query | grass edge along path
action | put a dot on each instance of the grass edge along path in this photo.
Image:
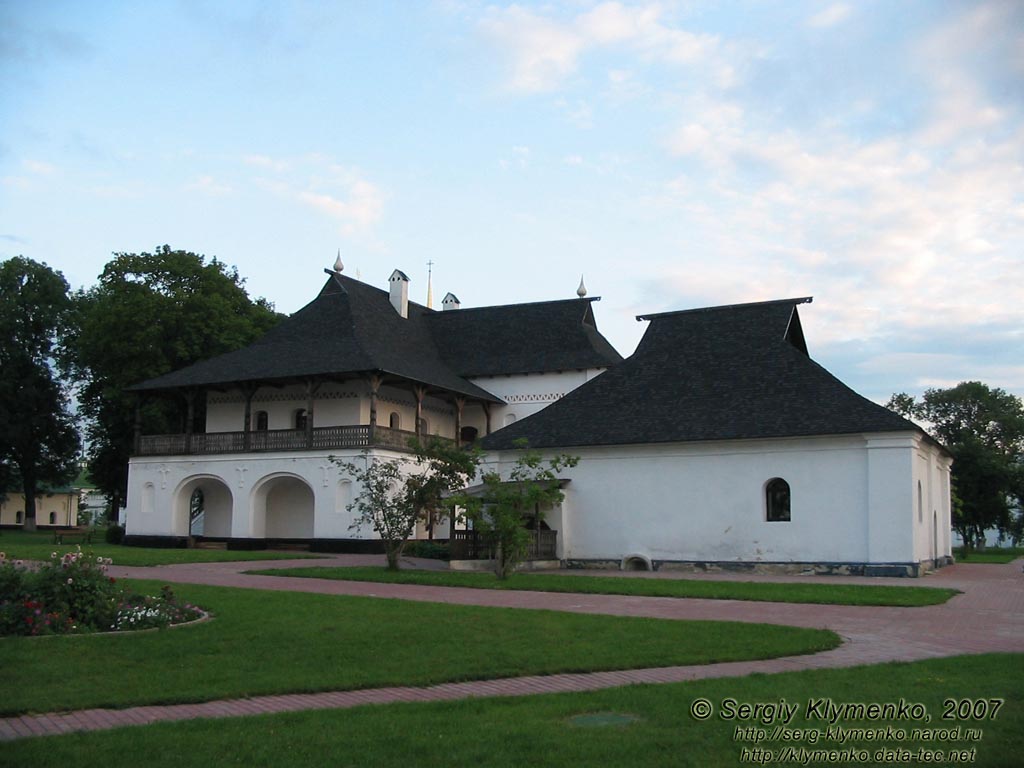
(267, 642)
(778, 592)
(542, 730)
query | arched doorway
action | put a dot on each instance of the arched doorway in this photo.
(202, 507)
(283, 508)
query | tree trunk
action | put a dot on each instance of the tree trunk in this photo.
(29, 489)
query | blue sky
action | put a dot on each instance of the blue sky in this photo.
(870, 154)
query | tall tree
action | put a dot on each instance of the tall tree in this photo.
(149, 314)
(983, 427)
(38, 439)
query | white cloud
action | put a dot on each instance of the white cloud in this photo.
(207, 185)
(545, 51)
(835, 14)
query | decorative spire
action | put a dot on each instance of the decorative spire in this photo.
(430, 289)
(338, 266)
(582, 290)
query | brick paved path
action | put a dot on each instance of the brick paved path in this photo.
(989, 616)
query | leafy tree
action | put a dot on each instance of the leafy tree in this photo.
(506, 504)
(983, 428)
(149, 314)
(397, 494)
(38, 439)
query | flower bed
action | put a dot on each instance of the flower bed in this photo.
(74, 595)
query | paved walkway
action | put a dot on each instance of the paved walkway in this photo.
(988, 617)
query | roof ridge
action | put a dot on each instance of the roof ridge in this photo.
(656, 315)
(520, 304)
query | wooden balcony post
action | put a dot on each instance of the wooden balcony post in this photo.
(487, 418)
(190, 416)
(311, 389)
(249, 391)
(460, 403)
(419, 391)
(137, 435)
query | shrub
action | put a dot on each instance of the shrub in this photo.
(435, 550)
(114, 534)
(74, 594)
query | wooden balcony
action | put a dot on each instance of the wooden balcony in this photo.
(318, 439)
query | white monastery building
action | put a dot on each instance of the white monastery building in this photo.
(718, 444)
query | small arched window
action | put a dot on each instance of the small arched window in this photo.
(777, 500)
(53, 518)
(468, 434)
(17, 517)
(261, 421)
(510, 418)
(300, 418)
(395, 421)
(424, 427)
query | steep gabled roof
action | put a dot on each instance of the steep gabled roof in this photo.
(522, 338)
(721, 373)
(351, 328)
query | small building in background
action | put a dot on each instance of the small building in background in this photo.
(55, 508)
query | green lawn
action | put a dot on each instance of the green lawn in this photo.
(276, 642)
(540, 730)
(837, 594)
(38, 545)
(990, 555)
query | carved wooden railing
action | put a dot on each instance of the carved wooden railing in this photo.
(474, 545)
(320, 438)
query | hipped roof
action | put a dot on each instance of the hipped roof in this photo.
(352, 328)
(721, 373)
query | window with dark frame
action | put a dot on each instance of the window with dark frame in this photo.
(300, 418)
(261, 421)
(394, 421)
(777, 498)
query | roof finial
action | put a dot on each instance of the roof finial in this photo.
(338, 266)
(582, 290)
(430, 289)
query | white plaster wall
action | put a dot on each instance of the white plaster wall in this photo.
(526, 394)
(706, 502)
(334, 405)
(152, 511)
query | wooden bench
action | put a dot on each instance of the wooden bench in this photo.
(72, 536)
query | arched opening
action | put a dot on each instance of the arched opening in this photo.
(17, 517)
(261, 421)
(777, 501)
(510, 418)
(468, 434)
(635, 563)
(283, 508)
(394, 420)
(202, 507)
(424, 426)
(53, 518)
(300, 418)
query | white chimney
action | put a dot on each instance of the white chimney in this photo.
(450, 301)
(399, 284)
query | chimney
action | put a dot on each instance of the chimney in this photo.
(399, 283)
(450, 301)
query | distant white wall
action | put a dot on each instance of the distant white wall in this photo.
(851, 501)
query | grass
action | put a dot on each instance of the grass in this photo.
(789, 592)
(37, 545)
(990, 555)
(539, 731)
(277, 642)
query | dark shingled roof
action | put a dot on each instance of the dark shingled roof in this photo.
(722, 373)
(522, 338)
(352, 327)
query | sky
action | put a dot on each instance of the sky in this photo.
(675, 154)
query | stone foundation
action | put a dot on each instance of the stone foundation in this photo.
(767, 568)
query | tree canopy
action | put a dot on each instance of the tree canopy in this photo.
(38, 439)
(983, 427)
(150, 313)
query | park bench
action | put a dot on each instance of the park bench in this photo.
(72, 536)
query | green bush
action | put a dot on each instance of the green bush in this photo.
(114, 534)
(74, 594)
(435, 550)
